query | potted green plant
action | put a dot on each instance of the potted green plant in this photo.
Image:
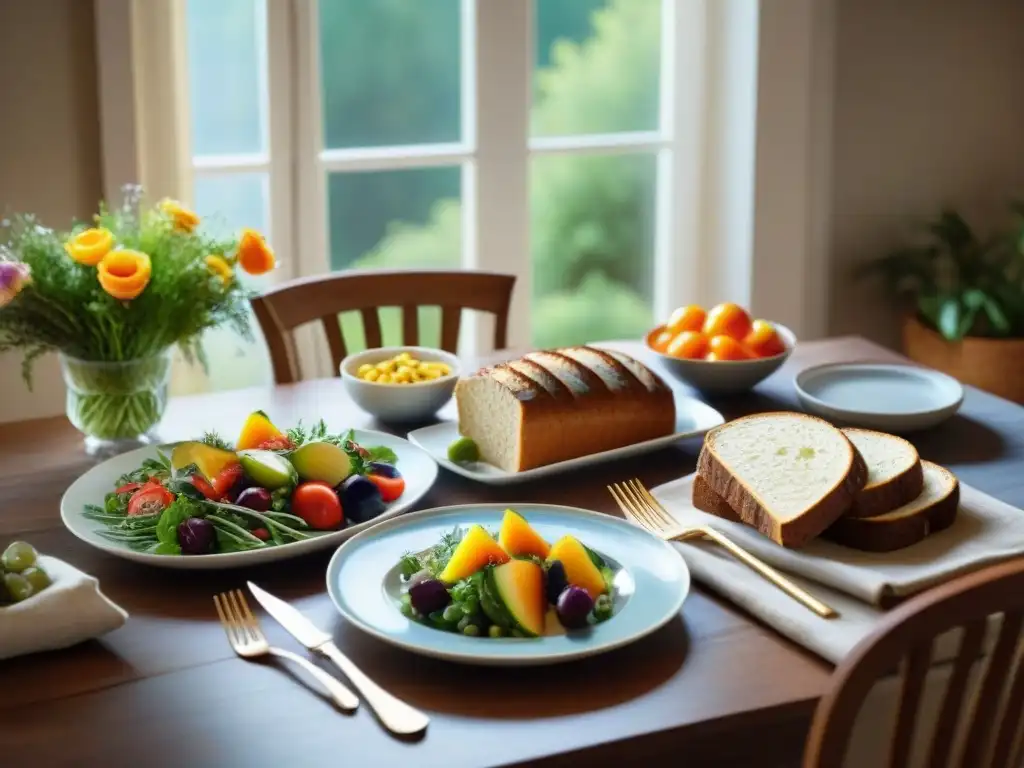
(964, 300)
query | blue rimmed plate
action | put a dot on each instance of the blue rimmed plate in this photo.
(651, 581)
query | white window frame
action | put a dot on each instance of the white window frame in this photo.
(742, 147)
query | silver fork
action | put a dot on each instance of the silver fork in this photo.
(249, 642)
(639, 505)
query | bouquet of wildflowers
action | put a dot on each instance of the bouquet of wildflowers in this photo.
(115, 297)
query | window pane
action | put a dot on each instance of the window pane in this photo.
(227, 75)
(597, 67)
(395, 220)
(228, 203)
(592, 242)
(390, 71)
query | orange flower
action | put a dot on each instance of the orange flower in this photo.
(254, 255)
(124, 274)
(218, 266)
(90, 245)
(184, 219)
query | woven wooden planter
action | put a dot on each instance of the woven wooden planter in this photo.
(995, 365)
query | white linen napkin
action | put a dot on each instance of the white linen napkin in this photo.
(70, 610)
(857, 584)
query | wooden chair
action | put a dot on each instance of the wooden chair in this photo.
(989, 727)
(283, 309)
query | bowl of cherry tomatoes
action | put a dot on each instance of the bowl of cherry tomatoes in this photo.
(722, 350)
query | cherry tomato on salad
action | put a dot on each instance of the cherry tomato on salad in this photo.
(261, 533)
(204, 487)
(150, 499)
(128, 488)
(318, 505)
(353, 446)
(279, 443)
(390, 487)
(226, 479)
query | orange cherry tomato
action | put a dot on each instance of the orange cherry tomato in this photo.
(724, 347)
(689, 345)
(728, 320)
(763, 340)
(661, 339)
(390, 487)
(688, 318)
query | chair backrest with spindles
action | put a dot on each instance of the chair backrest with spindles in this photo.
(983, 720)
(284, 308)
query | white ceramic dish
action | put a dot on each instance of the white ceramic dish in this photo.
(693, 418)
(398, 403)
(890, 398)
(724, 377)
(418, 469)
(652, 582)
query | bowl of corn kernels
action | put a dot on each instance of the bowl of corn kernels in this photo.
(401, 384)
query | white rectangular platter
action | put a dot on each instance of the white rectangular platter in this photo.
(693, 418)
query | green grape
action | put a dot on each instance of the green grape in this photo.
(17, 586)
(37, 577)
(18, 556)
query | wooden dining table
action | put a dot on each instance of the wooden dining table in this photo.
(713, 687)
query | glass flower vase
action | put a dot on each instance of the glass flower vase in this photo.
(116, 405)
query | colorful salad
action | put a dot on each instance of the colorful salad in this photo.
(272, 488)
(515, 584)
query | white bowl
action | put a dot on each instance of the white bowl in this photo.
(725, 377)
(400, 402)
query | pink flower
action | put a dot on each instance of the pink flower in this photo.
(13, 277)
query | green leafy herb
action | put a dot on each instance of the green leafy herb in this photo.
(409, 565)
(438, 557)
(382, 453)
(159, 468)
(211, 438)
(178, 512)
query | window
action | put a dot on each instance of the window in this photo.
(587, 147)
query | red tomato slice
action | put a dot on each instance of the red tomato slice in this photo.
(390, 487)
(204, 487)
(318, 505)
(226, 479)
(128, 488)
(261, 533)
(150, 499)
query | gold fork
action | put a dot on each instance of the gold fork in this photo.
(249, 642)
(640, 506)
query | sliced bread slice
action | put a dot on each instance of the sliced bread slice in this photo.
(894, 473)
(789, 475)
(933, 510)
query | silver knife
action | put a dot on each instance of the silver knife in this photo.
(396, 715)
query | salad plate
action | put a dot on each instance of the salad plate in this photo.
(128, 524)
(693, 419)
(492, 614)
(882, 396)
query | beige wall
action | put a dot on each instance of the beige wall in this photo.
(929, 109)
(49, 146)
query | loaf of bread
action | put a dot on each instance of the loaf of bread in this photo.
(561, 404)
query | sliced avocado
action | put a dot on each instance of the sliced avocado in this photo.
(208, 459)
(268, 469)
(321, 461)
